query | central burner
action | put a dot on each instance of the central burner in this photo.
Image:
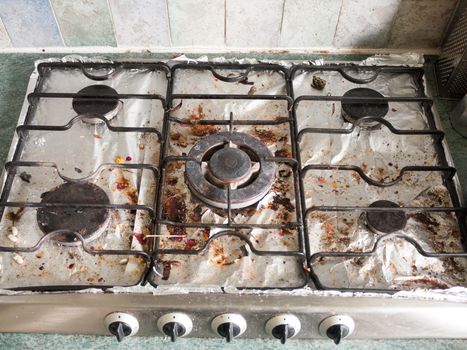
(385, 221)
(352, 112)
(88, 222)
(230, 162)
(230, 165)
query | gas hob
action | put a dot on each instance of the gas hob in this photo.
(237, 199)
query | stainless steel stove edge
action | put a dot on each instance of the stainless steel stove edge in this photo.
(375, 317)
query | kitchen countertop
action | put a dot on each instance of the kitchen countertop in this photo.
(14, 73)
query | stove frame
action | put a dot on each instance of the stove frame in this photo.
(299, 172)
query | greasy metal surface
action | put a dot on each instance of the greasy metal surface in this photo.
(374, 317)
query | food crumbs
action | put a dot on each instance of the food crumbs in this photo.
(321, 180)
(19, 259)
(123, 261)
(14, 231)
(128, 158)
(13, 238)
(118, 160)
(141, 146)
(190, 243)
(318, 83)
(97, 136)
(25, 177)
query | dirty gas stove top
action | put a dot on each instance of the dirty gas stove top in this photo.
(204, 175)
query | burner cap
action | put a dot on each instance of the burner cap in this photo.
(230, 165)
(99, 106)
(352, 112)
(385, 221)
(88, 222)
(231, 159)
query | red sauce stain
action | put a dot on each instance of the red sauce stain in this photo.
(190, 243)
(140, 238)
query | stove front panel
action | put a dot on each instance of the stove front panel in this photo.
(374, 318)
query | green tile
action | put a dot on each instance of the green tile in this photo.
(309, 23)
(76, 342)
(85, 22)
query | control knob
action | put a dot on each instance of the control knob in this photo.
(121, 324)
(174, 325)
(229, 326)
(337, 327)
(283, 327)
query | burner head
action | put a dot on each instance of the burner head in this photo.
(230, 160)
(88, 222)
(230, 165)
(352, 112)
(385, 221)
(104, 107)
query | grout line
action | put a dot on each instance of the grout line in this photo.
(225, 22)
(112, 21)
(220, 50)
(282, 22)
(168, 22)
(6, 31)
(56, 22)
(337, 22)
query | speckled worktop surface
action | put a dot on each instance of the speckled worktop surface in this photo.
(14, 73)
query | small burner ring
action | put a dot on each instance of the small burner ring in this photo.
(352, 112)
(207, 148)
(385, 221)
(107, 107)
(230, 165)
(90, 223)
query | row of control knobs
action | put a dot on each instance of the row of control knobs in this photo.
(229, 326)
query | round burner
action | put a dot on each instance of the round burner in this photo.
(105, 107)
(352, 112)
(230, 160)
(385, 221)
(230, 165)
(88, 222)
